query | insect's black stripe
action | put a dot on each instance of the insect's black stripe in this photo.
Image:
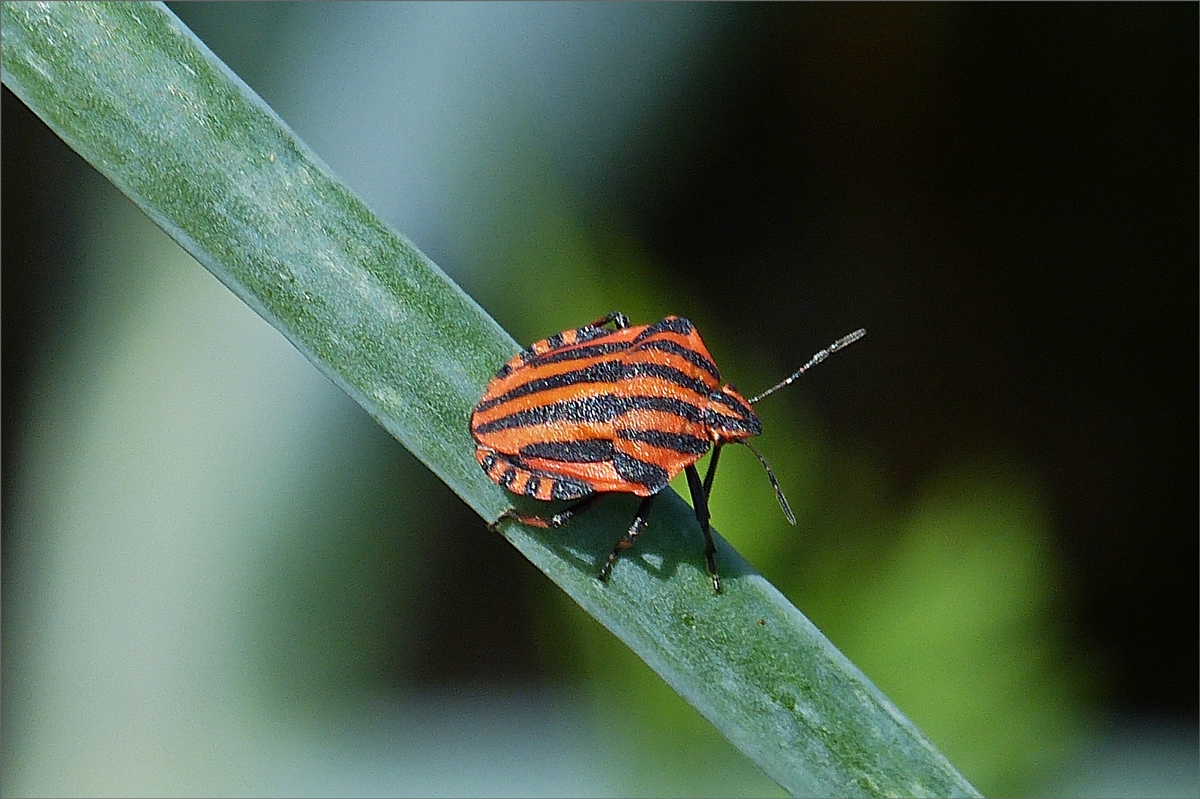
(688, 354)
(531, 487)
(507, 478)
(570, 489)
(744, 420)
(588, 333)
(732, 404)
(584, 352)
(676, 442)
(743, 417)
(672, 324)
(591, 450)
(637, 471)
(750, 426)
(603, 408)
(672, 405)
(608, 371)
(599, 372)
(667, 373)
(565, 340)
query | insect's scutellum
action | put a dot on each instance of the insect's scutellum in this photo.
(597, 410)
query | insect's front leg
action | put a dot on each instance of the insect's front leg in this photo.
(700, 492)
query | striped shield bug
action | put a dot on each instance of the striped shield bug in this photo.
(624, 408)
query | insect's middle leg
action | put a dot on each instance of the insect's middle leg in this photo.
(627, 540)
(700, 504)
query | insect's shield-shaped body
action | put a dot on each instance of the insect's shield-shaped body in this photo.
(602, 410)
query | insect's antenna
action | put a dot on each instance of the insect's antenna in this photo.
(841, 343)
(791, 517)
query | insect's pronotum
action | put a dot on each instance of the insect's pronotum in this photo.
(604, 409)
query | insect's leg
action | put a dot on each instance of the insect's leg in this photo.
(700, 503)
(616, 317)
(712, 470)
(627, 540)
(546, 523)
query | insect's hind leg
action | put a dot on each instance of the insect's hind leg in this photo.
(545, 522)
(627, 540)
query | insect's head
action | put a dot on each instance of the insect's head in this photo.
(729, 417)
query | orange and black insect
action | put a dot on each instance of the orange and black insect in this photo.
(623, 409)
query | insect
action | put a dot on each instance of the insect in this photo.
(602, 409)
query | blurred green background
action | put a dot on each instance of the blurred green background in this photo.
(220, 577)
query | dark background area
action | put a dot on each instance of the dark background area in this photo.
(1028, 264)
